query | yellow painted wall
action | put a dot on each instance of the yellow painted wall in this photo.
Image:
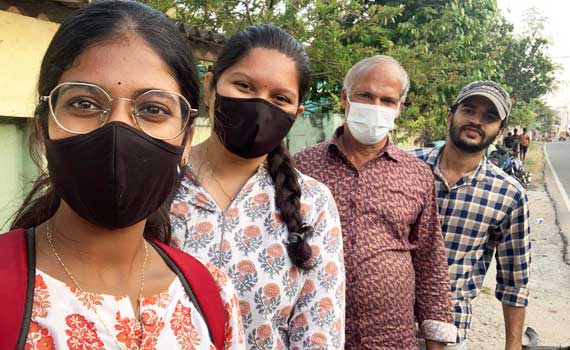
(23, 41)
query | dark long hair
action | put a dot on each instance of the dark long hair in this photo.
(280, 163)
(103, 20)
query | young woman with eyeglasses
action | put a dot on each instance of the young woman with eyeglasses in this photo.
(118, 94)
(244, 207)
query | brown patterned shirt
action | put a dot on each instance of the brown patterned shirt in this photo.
(395, 260)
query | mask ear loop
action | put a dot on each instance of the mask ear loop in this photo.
(184, 139)
(182, 162)
(348, 100)
(183, 146)
(180, 170)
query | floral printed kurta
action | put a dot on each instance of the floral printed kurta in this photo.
(281, 305)
(65, 318)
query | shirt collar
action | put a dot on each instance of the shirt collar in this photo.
(390, 150)
(475, 176)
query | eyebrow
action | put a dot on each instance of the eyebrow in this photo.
(382, 97)
(467, 104)
(137, 93)
(391, 99)
(492, 110)
(248, 77)
(66, 88)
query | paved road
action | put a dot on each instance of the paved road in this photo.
(559, 155)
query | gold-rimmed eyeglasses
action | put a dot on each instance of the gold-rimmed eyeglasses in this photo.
(80, 108)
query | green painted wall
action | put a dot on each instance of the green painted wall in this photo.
(18, 170)
(312, 129)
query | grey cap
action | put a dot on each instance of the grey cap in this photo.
(492, 91)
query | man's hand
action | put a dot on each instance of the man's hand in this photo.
(514, 321)
(433, 345)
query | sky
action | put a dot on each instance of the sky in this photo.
(557, 29)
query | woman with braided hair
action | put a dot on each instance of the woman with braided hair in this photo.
(244, 207)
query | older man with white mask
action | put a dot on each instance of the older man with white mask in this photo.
(394, 254)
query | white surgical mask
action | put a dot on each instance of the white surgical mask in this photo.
(369, 124)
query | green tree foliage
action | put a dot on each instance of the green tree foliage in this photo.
(535, 114)
(530, 74)
(529, 71)
(443, 44)
(546, 117)
(336, 34)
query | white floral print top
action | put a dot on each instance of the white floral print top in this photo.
(65, 318)
(282, 307)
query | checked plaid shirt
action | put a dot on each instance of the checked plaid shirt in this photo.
(485, 212)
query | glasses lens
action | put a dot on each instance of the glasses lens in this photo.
(162, 114)
(78, 107)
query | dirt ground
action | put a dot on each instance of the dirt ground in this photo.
(549, 308)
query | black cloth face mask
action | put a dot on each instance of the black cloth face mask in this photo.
(250, 127)
(114, 176)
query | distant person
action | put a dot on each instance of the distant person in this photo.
(524, 144)
(508, 141)
(516, 143)
(484, 211)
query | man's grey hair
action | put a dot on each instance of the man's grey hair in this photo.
(366, 63)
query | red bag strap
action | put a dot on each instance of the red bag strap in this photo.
(200, 287)
(17, 272)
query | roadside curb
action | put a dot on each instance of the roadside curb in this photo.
(557, 180)
(561, 204)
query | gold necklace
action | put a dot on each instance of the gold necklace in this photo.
(214, 177)
(78, 286)
(230, 198)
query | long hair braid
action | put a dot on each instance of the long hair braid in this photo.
(288, 201)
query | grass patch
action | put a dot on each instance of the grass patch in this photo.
(534, 163)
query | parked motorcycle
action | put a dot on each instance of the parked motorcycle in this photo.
(504, 159)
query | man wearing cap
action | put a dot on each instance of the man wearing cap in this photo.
(483, 211)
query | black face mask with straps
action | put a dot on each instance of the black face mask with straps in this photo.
(250, 127)
(114, 176)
